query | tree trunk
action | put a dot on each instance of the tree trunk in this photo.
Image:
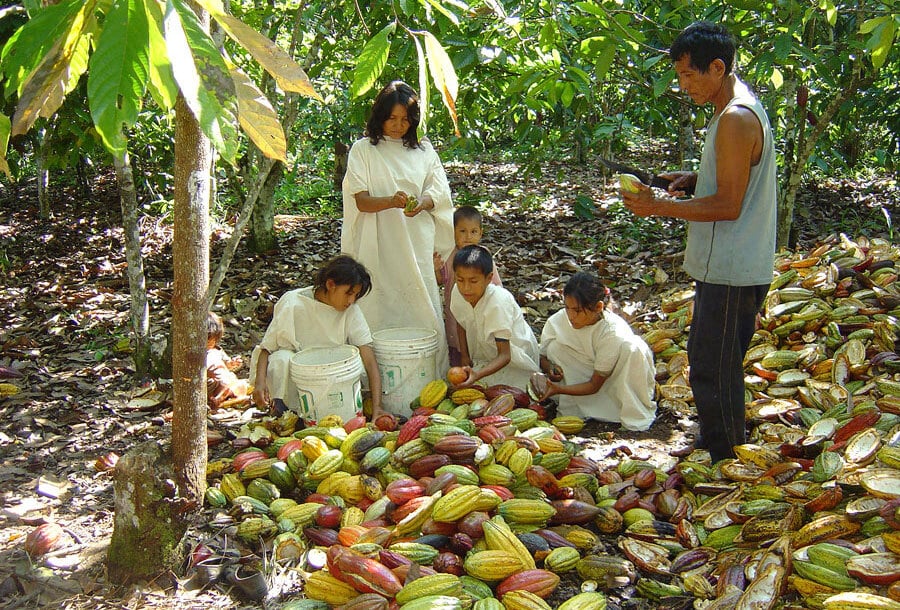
(806, 144)
(235, 238)
(137, 285)
(341, 151)
(687, 146)
(149, 520)
(43, 176)
(262, 221)
(190, 253)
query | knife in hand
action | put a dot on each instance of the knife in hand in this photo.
(645, 177)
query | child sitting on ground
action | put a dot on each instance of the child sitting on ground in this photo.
(323, 314)
(221, 383)
(495, 341)
(608, 370)
(467, 231)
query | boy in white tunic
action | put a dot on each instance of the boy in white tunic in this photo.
(325, 313)
(607, 369)
(495, 341)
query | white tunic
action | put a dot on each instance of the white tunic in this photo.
(610, 348)
(497, 316)
(397, 250)
(300, 321)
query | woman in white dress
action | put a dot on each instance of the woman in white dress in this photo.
(597, 366)
(397, 214)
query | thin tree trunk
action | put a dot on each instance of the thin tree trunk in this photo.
(687, 147)
(235, 238)
(137, 285)
(806, 144)
(190, 253)
(262, 221)
(43, 176)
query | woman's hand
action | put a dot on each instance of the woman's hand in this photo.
(553, 371)
(399, 199)
(552, 390)
(470, 379)
(261, 397)
(423, 205)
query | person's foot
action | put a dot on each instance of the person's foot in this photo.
(277, 408)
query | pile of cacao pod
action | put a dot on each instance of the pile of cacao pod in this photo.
(478, 502)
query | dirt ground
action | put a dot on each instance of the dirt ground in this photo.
(64, 326)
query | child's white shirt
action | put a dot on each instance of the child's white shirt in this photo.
(300, 321)
(610, 348)
(497, 316)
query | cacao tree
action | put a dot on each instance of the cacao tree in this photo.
(128, 48)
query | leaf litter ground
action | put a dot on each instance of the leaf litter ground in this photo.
(64, 325)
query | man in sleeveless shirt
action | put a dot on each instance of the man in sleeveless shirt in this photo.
(731, 229)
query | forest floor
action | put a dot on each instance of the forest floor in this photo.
(64, 307)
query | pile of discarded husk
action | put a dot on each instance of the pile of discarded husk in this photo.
(476, 501)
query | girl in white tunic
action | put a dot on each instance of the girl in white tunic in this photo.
(495, 341)
(607, 370)
(397, 214)
(326, 313)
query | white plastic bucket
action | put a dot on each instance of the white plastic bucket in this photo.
(328, 379)
(406, 361)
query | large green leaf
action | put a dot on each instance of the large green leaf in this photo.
(371, 61)
(29, 45)
(879, 44)
(258, 118)
(203, 78)
(5, 127)
(118, 73)
(287, 72)
(162, 84)
(44, 90)
(443, 74)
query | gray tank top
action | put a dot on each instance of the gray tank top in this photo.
(736, 252)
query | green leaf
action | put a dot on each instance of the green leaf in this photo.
(443, 74)
(584, 207)
(880, 42)
(258, 118)
(870, 24)
(371, 61)
(286, 72)
(661, 84)
(29, 45)
(203, 78)
(44, 90)
(423, 86)
(5, 128)
(777, 78)
(118, 76)
(162, 84)
(440, 8)
(604, 61)
(783, 44)
(830, 11)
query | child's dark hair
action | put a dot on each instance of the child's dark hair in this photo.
(587, 290)
(466, 212)
(344, 270)
(705, 42)
(395, 92)
(474, 257)
(214, 327)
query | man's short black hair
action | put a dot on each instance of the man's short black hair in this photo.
(474, 257)
(704, 42)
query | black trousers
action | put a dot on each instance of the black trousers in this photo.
(721, 329)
